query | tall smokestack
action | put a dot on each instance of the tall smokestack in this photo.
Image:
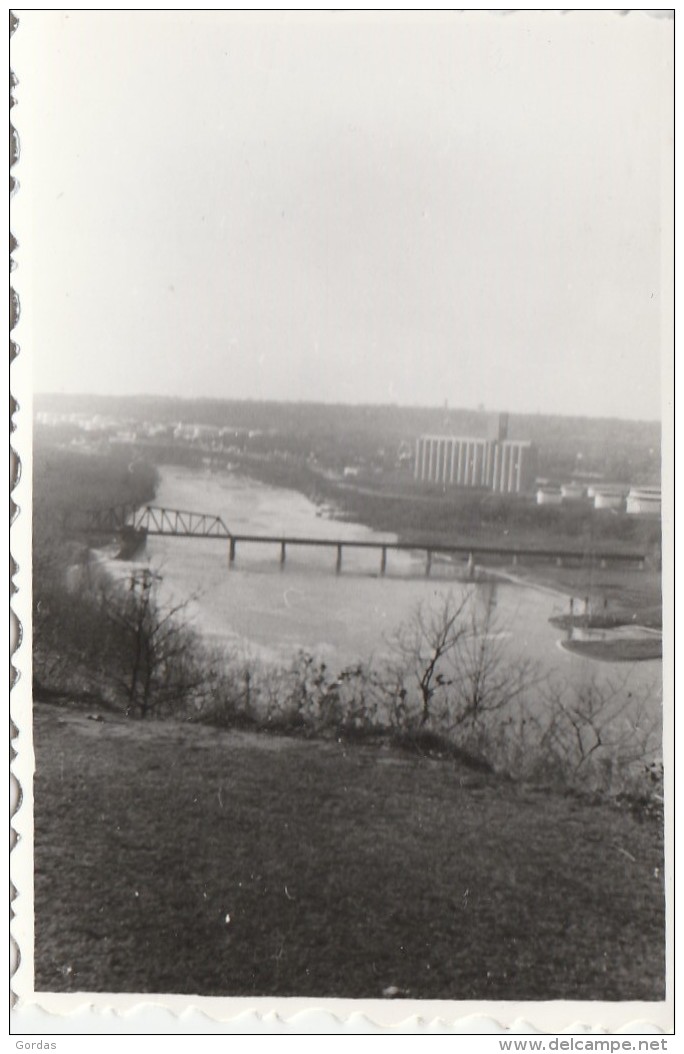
(497, 427)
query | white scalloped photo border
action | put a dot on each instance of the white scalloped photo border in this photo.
(40, 1013)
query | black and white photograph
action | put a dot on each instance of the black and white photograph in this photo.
(342, 534)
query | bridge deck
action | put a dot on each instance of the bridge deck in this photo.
(422, 546)
(183, 523)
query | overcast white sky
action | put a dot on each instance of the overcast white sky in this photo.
(350, 208)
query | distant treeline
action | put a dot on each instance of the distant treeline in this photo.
(65, 481)
(621, 450)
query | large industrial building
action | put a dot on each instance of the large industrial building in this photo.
(507, 466)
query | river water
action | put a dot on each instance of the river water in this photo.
(256, 608)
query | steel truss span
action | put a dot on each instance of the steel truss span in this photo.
(153, 519)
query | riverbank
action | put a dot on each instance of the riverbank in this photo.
(636, 649)
(618, 595)
(613, 636)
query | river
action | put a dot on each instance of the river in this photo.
(258, 609)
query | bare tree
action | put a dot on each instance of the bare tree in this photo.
(157, 650)
(486, 675)
(451, 665)
(420, 648)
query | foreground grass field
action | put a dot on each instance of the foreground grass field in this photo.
(177, 858)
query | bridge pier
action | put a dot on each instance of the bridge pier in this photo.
(383, 560)
(338, 563)
(282, 555)
(428, 562)
(231, 552)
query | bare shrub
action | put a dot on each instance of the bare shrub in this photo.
(229, 696)
(73, 645)
(309, 695)
(452, 671)
(602, 735)
(599, 737)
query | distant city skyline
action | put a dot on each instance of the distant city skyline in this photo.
(348, 208)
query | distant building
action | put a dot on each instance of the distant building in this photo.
(507, 466)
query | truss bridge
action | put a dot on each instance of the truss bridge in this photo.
(154, 520)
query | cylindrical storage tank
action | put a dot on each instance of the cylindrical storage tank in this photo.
(549, 496)
(572, 491)
(644, 501)
(609, 499)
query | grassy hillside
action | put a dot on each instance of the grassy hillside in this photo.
(177, 858)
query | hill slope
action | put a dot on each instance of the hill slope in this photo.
(178, 858)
